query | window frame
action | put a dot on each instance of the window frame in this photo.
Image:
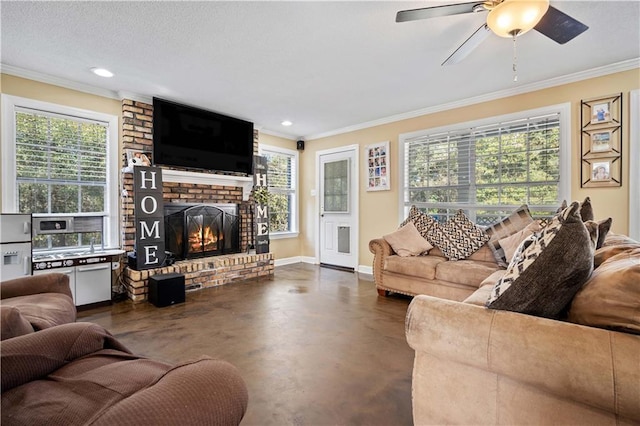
(564, 119)
(10, 104)
(294, 232)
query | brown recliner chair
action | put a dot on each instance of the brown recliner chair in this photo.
(80, 374)
(34, 303)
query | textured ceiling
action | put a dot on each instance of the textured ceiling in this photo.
(325, 66)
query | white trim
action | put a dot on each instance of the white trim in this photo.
(363, 269)
(564, 191)
(634, 164)
(283, 235)
(287, 261)
(310, 260)
(355, 148)
(287, 136)
(184, 176)
(526, 88)
(9, 197)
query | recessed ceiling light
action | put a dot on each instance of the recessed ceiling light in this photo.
(286, 123)
(102, 72)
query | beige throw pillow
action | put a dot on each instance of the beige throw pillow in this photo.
(407, 241)
(510, 244)
(611, 297)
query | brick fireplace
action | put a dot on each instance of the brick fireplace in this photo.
(185, 187)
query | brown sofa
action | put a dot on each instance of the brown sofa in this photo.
(34, 303)
(432, 274)
(79, 374)
(475, 365)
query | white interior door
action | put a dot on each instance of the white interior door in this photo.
(338, 208)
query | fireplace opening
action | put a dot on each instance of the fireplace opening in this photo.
(199, 230)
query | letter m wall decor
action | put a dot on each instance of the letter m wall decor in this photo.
(149, 217)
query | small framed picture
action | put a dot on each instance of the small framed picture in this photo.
(601, 171)
(600, 113)
(601, 141)
(138, 158)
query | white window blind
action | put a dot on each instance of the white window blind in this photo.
(282, 182)
(486, 170)
(61, 163)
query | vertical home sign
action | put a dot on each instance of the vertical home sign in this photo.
(262, 210)
(149, 217)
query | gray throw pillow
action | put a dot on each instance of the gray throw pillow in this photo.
(548, 269)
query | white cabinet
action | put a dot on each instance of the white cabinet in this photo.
(93, 283)
(89, 283)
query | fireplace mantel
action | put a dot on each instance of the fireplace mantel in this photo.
(183, 176)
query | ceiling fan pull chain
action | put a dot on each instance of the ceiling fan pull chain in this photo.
(515, 60)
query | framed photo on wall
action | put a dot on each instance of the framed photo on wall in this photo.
(377, 166)
(601, 141)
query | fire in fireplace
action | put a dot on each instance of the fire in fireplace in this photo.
(198, 230)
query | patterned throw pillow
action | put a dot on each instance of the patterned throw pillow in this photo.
(421, 221)
(458, 237)
(547, 269)
(515, 222)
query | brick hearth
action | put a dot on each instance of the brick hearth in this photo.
(204, 272)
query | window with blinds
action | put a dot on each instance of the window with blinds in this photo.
(282, 180)
(61, 163)
(486, 170)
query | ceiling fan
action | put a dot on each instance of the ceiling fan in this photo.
(506, 18)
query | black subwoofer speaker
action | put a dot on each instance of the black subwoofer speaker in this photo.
(166, 289)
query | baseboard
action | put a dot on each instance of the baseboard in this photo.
(311, 260)
(287, 261)
(363, 269)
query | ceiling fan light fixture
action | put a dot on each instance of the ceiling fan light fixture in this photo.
(516, 17)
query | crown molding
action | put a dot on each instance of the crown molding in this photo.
(277, 134)
(557, 81)
(57, 81)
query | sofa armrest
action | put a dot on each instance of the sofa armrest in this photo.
(35, 355)
(204, 391)
(36, 284)
(592, 366)
(381, 250)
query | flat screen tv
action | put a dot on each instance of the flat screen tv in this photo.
(190, 137)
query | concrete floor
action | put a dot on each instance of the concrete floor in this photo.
(316, 346)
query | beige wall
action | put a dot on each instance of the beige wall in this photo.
(284, 247)
(379, 210)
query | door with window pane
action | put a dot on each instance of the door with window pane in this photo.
(337, 218)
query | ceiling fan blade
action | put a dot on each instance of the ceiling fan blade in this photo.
(469, 45)
(436, 11)
(559, 26)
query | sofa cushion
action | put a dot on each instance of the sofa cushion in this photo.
(419, 266)
(458, 237)
(480, 296)
(545, 274)
(611, 297)
(613, 245)
(13, 323)
(421, 221)
(510, 244)
(511, 224)
(468, 272)
(407, 241)
(44, 310)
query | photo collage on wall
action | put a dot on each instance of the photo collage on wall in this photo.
(377, 160)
